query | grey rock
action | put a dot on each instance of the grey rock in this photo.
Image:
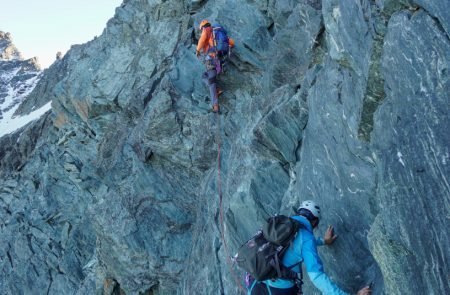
(412, 155)
(16, 148)
(121, 188)
(347, 30)
(42, 92)
(440, 12)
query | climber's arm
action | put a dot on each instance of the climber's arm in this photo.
(315, 270)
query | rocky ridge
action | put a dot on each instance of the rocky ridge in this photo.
(8, 51)
(343, 102)
(17, 76)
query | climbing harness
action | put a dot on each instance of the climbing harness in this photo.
(222, 227)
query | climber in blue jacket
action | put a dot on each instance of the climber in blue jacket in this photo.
(304, 249)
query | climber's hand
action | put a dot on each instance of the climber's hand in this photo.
(197, 53)
(364, 291)
(329, 237)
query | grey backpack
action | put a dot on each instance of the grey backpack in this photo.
(261, 255)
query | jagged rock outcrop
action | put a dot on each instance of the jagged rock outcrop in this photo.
(8, 51)
(18, 77)
(343, 102)
(42, 93)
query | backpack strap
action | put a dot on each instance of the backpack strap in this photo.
(287, 271)
(299, 283)
(268, 289)
(288, 274)
(251, 288)
(214, 40)
(293, 265)
(296, 277)
(278, 265)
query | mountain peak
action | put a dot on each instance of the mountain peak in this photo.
(8, 50)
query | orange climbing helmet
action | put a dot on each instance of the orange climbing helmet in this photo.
(204, 23)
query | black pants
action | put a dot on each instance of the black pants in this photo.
(262, 289)
(209, 78)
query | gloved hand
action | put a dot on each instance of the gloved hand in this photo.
(329, 237)
(197, 53)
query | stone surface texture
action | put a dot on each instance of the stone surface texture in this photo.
(130, 185)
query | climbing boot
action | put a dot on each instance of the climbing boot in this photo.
(215, 108)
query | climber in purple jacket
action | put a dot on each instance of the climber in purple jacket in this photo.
(304, 249)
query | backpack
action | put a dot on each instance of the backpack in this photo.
(221, 42)
(261, 255)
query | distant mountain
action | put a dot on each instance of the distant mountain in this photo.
(18, 77)
(7, 50)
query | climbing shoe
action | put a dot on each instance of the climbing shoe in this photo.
(215, 108)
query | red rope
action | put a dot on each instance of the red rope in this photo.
(222, 227)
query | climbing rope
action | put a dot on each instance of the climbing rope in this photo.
(222, 227)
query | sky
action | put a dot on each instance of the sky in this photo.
(41, 28)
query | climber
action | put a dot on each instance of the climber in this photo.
(215, 45)
(304, 249)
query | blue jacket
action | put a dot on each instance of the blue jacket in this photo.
(304, 249)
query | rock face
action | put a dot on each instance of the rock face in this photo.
(131, 186)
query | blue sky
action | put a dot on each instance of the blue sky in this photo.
(43, 27)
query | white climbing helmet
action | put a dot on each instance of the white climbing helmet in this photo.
(311, 206)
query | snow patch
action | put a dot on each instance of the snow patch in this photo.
(15, 94)
(7, 77)
(10, 124)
